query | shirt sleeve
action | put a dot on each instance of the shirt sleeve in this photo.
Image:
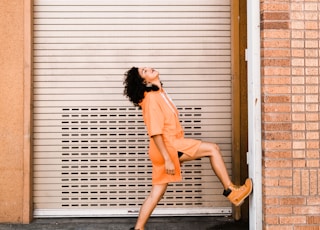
(153, 115)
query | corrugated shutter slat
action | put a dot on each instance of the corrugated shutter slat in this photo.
(90, 143)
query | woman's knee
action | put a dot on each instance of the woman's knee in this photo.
(158, 191)
(213, 148)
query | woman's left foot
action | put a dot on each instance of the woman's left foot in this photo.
(237, 194)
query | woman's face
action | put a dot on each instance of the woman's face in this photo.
(148, 74)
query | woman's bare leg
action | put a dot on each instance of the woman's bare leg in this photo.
(157, 191)
(236, 194)
(212, 151)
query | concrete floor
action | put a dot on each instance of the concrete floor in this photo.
(154, 223)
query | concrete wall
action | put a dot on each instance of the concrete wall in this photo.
(14, 137)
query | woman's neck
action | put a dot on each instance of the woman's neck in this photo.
(158, 83)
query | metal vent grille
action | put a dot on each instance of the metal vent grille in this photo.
(104, 161)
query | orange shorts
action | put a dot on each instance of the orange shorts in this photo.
(159, 174)
(187, 146)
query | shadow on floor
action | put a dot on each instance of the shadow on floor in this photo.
(155, 223)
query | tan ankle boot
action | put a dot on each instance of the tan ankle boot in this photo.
(237, 194)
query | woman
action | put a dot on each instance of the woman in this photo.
(168, 147)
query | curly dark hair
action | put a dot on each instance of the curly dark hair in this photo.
(135, 86)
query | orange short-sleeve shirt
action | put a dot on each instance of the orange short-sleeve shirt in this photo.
(161, 118)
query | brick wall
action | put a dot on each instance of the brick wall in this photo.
(290, 114)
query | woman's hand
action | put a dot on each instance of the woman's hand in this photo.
(169, 166)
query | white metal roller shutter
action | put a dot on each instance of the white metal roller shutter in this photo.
(90, 143)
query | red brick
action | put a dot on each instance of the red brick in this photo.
(311, 25)
(298, 52)
(277, 135)
(276, 80)
(275, 6)
(276, 62)
(296, 182)
(311, 15)
(310, 6)
(279, 227)
(271, 182)
(277, 163)
(313, 145)
(278, 210)
(298, 44)
(311, 44)
(277, 172)
(297, 71)
(314, 89)
(276, 117)
(313, 163)
(307, 228)
(298, 153)
(297, 7)
(297, 25)
(276, 99)
(276, 108)
(312, 107)
(298, 135)
(312, 126)
(299, 163)
(307, 210)
(313, 153)
(312, 135)
(277, 126)
(299, 144)
(313, 200)
(275, 16)
(298, 117)
(298, 98)
(278, 154)
(298, 89)
(293, 219)
(274, 43)
(285, 182)
(312, 117)
(311, 52)
(312, 80)
(274, 201)
(298, 126)
(280, 89)
(271, 220)
(298, 62)
(313, 220)
(275, 53)
(298, 108)
(293, 201)
(278, 191)
(313, 182)
(275, 25)
(277, 145)
(312, 71)
(297, 15)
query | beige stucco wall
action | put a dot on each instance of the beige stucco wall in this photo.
(14, 140)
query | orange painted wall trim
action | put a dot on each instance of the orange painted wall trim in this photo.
(15, 111)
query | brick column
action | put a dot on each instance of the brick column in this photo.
(290, 116)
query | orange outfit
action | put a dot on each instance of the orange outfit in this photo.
(161, 117)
